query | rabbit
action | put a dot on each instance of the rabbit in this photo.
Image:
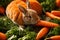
(21, 13)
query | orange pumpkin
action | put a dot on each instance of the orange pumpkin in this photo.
(14, 13)
(35, 5)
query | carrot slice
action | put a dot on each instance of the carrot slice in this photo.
(46, 24)
(42, 33)
(52, 16)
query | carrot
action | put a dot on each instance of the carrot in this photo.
(56, 13)
(58, 3)
(2, 36)
(57, 37)
(42, 33)
(52, 16)
(2, 10)
(46, 24)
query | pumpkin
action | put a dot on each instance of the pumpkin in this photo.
(35, 5)
(13, 12)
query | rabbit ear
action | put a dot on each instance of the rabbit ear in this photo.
(28, 4)
(22, 9)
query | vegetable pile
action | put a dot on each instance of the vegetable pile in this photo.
(47, 28)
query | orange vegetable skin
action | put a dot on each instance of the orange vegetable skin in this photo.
(56, 13)
(46, 24)
(42, 33)
(57, 37)
(35, 5)
(24, 0)
(2, 10)
(52, 16)
(13, 11)
(2, 36)
(58, 3)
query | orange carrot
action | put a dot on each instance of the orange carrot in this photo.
(2, 10)
(46, 24)
(2, 36)
(56, 13)
(52, 16)
(58, 3)
(42, 33)
(57, 37)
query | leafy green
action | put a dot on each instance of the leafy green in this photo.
(21, 34)
(15, 31)
(13, 37)
(4, 2)
(40, 0)
(54, 31)
(6, 24)
(55, 21)
(29, 36)
(12, 31)
(48, 5)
